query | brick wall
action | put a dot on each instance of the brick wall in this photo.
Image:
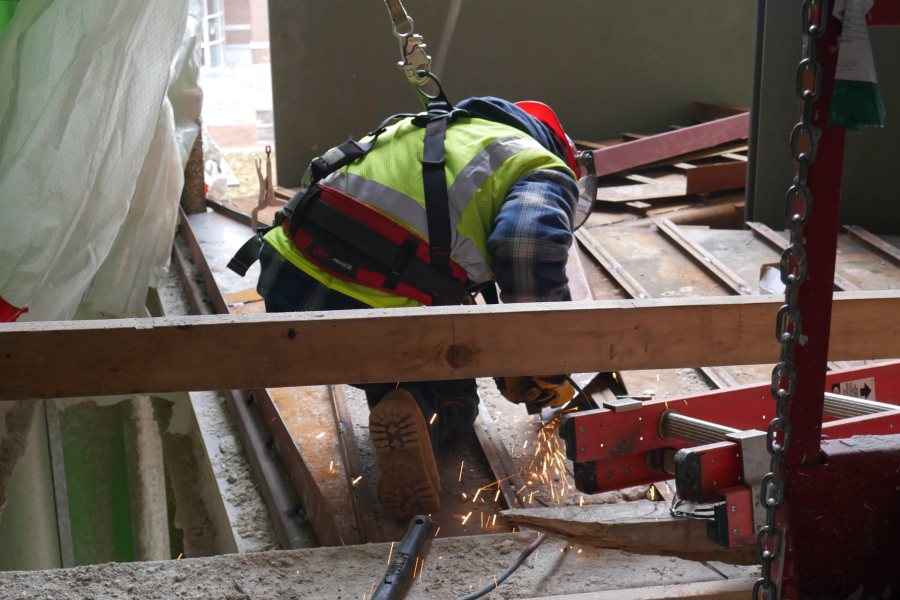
(247, 30)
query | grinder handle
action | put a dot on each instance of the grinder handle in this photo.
(399, 574)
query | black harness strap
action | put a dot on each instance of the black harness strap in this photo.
(398, 263)
(437, 201)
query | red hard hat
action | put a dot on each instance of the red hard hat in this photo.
(545, 115)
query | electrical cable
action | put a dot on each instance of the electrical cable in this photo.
(509, 570)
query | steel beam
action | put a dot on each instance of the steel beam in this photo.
(671, 144)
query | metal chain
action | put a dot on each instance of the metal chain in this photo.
(798, 206)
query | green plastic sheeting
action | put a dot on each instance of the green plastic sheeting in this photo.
(7, 8)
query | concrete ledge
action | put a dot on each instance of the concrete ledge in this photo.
(453, 567)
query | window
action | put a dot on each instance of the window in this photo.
(213, 34)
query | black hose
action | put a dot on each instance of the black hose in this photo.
(509, 570)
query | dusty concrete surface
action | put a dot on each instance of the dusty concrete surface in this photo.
(453, 566)
(15, 424)
(241, 501)
(219, 456)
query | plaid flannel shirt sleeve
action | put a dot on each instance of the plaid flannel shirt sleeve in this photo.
(529, 245)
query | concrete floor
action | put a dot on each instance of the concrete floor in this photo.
(453, 566)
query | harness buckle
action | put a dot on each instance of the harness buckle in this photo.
(415, 59)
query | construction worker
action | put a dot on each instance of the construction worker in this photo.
(500, 193)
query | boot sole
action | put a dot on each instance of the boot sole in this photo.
(410, 482)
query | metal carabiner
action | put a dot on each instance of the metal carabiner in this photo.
(415, 59)
(413, 55)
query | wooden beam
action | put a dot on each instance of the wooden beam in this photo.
(641, 527)
(663, 146)
(209, 352)
(722, 589)
(716, 177)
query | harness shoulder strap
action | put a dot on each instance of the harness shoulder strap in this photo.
(440, 113)
(437, 201)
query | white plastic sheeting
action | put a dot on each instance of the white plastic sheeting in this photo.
(90, 169)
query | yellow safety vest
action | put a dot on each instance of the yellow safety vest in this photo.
(483, 160)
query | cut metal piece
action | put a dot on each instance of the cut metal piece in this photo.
(623, 404)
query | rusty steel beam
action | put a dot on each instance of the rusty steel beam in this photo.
(671, 144)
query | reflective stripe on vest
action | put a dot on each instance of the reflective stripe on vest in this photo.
(484, 159)
(411, 212)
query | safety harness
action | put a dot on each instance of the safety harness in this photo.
(352, 241)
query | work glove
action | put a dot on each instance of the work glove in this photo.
(537, 391)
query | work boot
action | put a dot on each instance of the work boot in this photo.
(410, 483)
